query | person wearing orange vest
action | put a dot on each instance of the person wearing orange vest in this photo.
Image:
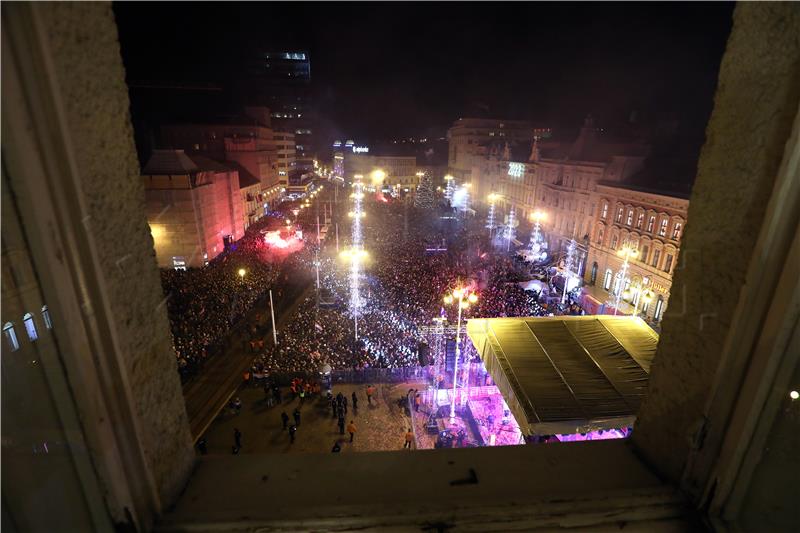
(409, 439)
(370, 392)
(351, 428)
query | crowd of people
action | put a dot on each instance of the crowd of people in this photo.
(402, 289)
(204, 304)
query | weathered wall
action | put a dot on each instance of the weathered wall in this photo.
(82, 38)
(756, 101)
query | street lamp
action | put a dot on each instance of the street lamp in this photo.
(464, 298)
(537, 244)
(627, 252)
(242, 272)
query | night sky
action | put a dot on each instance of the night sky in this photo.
(390, 69)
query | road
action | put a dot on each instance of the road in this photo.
(221, 375)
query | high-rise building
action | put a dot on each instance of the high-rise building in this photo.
(281, 80)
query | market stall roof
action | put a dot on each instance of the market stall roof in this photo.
(567, 374)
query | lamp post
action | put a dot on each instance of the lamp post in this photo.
(627, 252)
(537, 244)
(464, 298)
(241, 273)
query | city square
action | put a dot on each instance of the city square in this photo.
(519, 266)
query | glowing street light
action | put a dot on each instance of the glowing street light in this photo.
(628, 252)
(242, 272)
(465, 298)
(537, 244)
(377, 176)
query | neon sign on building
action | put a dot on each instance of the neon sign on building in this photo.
(516, 170)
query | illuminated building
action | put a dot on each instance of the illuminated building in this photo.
(194, 207)
(400, 170)
(286, 155)
(281, 80)
(470, 140)
(652, 223)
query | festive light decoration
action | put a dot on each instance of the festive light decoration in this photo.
(465, 297)
(461, 198)
(569, 265)
(510, 229)
(538, 246)
(516, 170)
(627, 252)
(490, 217)
(449, 187)
(424, 198)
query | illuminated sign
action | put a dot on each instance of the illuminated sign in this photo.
(516, 170)
(337, 144)
(360, 149)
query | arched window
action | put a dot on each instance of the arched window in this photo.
(30, 326)
(607, 279)
(11, 336)
(614, 240)
(46, 317)
(659, 308)
(594, 273)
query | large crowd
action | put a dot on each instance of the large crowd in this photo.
(204, 304)
(402, 289)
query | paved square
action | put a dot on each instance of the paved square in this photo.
(379, 427)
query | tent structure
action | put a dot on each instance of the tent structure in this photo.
(563, 375)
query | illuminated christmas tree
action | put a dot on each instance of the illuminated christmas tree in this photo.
(424, 198)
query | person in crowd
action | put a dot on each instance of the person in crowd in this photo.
(284, 419)
(296, 415)
(351, 429)
(336, 447)
(292, 431)
(355, 401)
(409, 439)
(341, 425)
(237, 437)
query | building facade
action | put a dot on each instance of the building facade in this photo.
(649, 222)
(470, 141)
(400, 170)
(286, 155)
(247, 143)
(193, 206)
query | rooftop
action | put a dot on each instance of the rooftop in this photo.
(169, 162)
(567, 374)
